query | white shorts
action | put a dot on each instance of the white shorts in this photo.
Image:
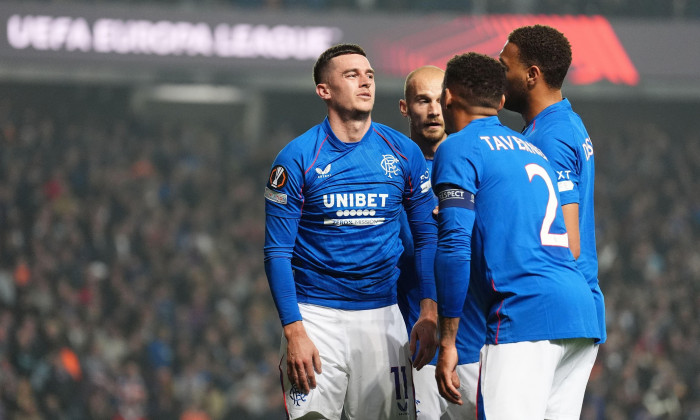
(429, 403)
(536, 379)
(365, 363)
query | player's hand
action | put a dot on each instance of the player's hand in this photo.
(446, 374)
(436, 211)
(303, 360)
(424, 332)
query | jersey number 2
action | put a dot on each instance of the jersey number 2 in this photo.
(547, 238)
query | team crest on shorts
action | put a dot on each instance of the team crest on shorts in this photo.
(278, 177)
(297, 396)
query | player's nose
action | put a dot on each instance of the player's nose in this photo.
(366, 80)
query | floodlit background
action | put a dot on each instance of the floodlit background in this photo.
(136, 138)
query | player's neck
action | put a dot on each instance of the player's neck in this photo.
(349, 129)
(426, 146)
(539, 101)
(462, 119)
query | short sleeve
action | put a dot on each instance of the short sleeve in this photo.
(563, 157)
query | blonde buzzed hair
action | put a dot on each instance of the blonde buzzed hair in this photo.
(409, 79)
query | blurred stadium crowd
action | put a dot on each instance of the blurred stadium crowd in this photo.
(648, 216)
(131, 279)
(132, 283)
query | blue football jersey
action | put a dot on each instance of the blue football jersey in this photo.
(334, 208)
(520, 260)
(472, 323)
(559, 132)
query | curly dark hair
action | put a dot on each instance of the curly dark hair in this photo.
(332, 52)
(546, 48)
(478, 79)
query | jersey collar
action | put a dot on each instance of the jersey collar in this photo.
(479, 122)
(563, 105)
(326, 125)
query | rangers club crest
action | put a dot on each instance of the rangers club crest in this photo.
(297, 396)
(389, 165)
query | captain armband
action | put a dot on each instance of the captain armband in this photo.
(455, 197)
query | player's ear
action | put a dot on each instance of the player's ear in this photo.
(534, 74)
(403, 107)
(446, 98)
(323, 91)
(503, 102)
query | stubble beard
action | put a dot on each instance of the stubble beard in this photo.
(433, 136)
(355, 113)
(515, 100)
(360, 115)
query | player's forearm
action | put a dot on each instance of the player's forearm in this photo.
(428, 309)
(452, 282)
(424, 231)
(294, 330)
(448, 331)
(425, 267)
(281, 280)
(280, 236)
(452, 259)
(571, 220)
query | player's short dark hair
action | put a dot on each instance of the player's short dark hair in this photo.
(546, 48)
(332, 52)
(478, 79)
